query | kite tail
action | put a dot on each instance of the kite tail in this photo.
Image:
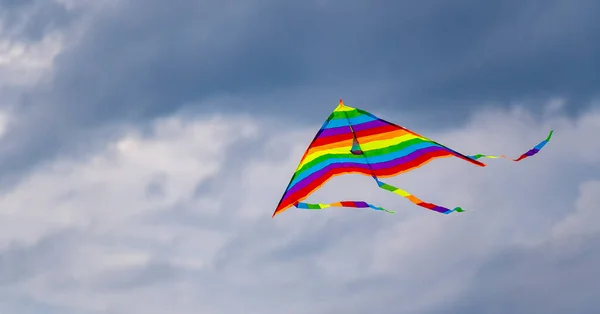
(387, 187)
(354, 204)
(415, 200)
(529, 153)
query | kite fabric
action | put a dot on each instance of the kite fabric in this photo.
(354, 141)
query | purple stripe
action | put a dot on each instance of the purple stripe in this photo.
(369, 125)
(440, 209)
(531, 152)
(357, 127)
(378, 166)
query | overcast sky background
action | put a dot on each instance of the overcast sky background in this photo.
(144, 146)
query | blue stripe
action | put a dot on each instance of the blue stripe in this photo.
(372, 160)
(344, 122)
(541, 145)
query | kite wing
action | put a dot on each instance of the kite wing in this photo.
(353, 141)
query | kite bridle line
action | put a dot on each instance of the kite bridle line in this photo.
(362, 152)
(415, 200)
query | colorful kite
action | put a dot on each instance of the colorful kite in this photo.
(353, 141)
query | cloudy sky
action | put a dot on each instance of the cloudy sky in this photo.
(145, 144)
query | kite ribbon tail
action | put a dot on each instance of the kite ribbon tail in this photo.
(354, 204)
(416, 200)
(529, 153)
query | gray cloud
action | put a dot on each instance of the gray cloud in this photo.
(30, 20)
(20, 261)
(549, 278)
(145, 248)
(207, 242)
(142, 59)
(424, 54)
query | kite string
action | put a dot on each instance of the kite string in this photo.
(415, 200)
(362, 151)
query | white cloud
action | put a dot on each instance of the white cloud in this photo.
(25, 62)
(179, 220)
(584, 220)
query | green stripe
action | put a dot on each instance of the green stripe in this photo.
(342, 114)
(387, 187)
(369, 153)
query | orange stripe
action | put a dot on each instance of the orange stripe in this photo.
(414, 199)
(363, 172)
(362, 140)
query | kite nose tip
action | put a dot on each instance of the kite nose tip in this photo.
(341, 101)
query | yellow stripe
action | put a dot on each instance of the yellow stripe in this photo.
(374, 145)
(362, 139)
(342, 107)
(345, 143)
(401, 193)
(382, 136)
(338, 150)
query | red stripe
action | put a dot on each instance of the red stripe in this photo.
(377, 130)
(308, 189)
(320, 141)
(427, 205)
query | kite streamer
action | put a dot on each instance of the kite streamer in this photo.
(529, 153)
(354, 141)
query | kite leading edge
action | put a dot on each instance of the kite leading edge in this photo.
(354, 141)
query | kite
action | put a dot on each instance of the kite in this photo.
(354, 141)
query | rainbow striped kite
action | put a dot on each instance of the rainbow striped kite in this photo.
(353, 141)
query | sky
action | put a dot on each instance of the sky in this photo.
(144, 146)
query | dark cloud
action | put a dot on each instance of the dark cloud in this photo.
(143, 59)
(30, 20)
(148, 59)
